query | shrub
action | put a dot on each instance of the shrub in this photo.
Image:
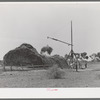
(55, 73)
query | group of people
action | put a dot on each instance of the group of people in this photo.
(77, 62)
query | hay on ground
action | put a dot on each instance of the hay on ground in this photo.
(55, 72)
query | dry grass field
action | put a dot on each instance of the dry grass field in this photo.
(89, 77)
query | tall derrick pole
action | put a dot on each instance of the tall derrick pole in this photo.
(71, 42)
(72, 52)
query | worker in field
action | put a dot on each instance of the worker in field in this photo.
(86, 61)
(77, 63)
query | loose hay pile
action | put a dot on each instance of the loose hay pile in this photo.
(55, 73)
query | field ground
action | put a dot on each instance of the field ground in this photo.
(89, 77)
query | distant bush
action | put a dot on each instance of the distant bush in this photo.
(55, 73)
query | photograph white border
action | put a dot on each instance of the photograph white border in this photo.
(49, 92)
(44, 93)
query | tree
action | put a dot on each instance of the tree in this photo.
(47, 49)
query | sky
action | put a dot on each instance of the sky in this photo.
(33, 22)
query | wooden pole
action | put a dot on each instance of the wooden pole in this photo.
(72, 52)
(71, 42)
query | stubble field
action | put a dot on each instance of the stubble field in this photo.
(89, 77)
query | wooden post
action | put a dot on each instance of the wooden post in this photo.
(21, 66)
(11, 67)
(4, 69)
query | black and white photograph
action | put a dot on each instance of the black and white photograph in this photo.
(49, 45)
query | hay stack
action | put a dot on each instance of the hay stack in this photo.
(56, 59)
(28, 46)
(48, 60)
(21, 56)
(62, 63)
